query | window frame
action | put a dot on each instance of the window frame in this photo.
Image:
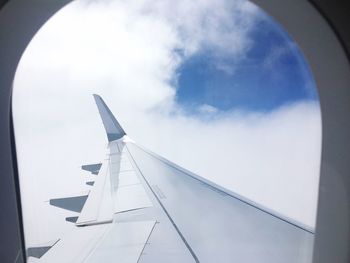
(322, 47)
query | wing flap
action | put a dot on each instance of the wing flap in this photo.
(124, 242)
(131, 197)
(119, 242)
(130, 193)
(75, 246)
(98, 207)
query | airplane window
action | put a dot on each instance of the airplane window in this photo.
(211, 113)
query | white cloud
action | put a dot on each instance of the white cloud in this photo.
(272, 159)
(220, 26)
(126, 51)
(207, 109)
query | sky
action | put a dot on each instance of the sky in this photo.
(218, 87)
(272, 74)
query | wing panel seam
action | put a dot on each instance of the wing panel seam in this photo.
(164, 209)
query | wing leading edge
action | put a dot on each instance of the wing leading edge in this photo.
(143, 208)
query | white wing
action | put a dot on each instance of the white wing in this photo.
(143, 208)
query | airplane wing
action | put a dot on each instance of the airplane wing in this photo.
(144, 208)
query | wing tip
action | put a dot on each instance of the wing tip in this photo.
(96, 96)
(113, 129)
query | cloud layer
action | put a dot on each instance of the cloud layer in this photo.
(129, 52)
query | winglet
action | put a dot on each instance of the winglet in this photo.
(113, 129)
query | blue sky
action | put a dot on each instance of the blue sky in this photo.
(271, 73)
